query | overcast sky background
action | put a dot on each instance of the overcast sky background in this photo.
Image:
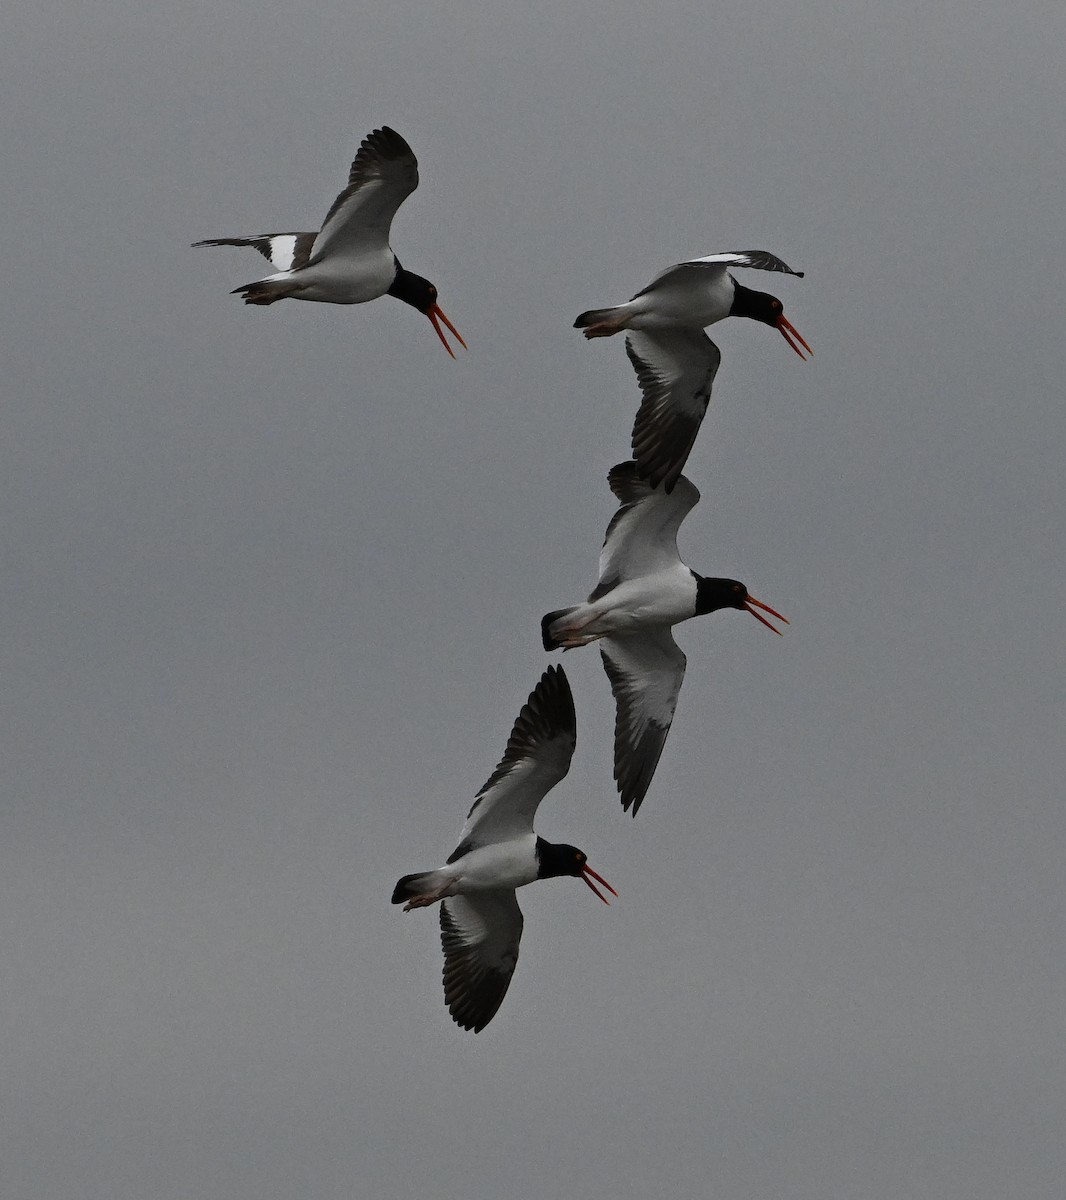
(272, 581)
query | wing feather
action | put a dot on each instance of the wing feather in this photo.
(758, 260)
(284, 251)
(642, 535)
(383, 174)
(675, 368)
(479, 933)
(536, 758)
(645, 672)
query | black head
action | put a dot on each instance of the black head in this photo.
(759, 306)
(414, 290)
(553, 860)
(421, 294)
(559, 859)
(715, 594)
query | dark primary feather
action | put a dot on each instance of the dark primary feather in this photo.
(382, 154)
(536, 758)
(547, 714)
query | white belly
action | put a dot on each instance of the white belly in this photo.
(504, 864)
(694, 304)
(663, 599)
(337, 280)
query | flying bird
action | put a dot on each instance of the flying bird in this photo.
(349, 260)
(644, 589)
(480, 921)
(674, 359)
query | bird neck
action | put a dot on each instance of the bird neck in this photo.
(754, 305)
(410, 288)
(553, 860)
(711, 594)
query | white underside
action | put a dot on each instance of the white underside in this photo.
(657, 600)
(343, 280)
(670, 304)
(509, 864)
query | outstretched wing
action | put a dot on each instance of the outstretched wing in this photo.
(384, 173)
(675, 368)
(758, 260)
(537, 757)
(479, 933)
(285, 251)
(641, 538)
(646, 672)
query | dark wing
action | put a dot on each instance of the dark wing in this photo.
(646, 672)
(641, 538)
(537, 757)
(384, 173)
(285, 251)
(480, 933)
(675, 369)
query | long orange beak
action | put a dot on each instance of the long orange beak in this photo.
(586, 871)
(790, 332)
(766, 608)
(436, 316)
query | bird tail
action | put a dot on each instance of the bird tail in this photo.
(550, 640)
(423, 883)
(266, 291)
(602, 322)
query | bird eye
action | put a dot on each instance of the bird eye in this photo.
(738, 588)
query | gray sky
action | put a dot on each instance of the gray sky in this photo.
(272, 581)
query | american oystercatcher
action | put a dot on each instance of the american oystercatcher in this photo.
(480, 921)
(644, 589)
(349, 260)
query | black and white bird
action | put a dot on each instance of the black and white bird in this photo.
(644, 589)
(349, 260)
(480, 921)
(674, 359)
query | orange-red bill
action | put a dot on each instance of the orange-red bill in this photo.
(790, 332)
(766, 608)
(436, 316)
(586, 871)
